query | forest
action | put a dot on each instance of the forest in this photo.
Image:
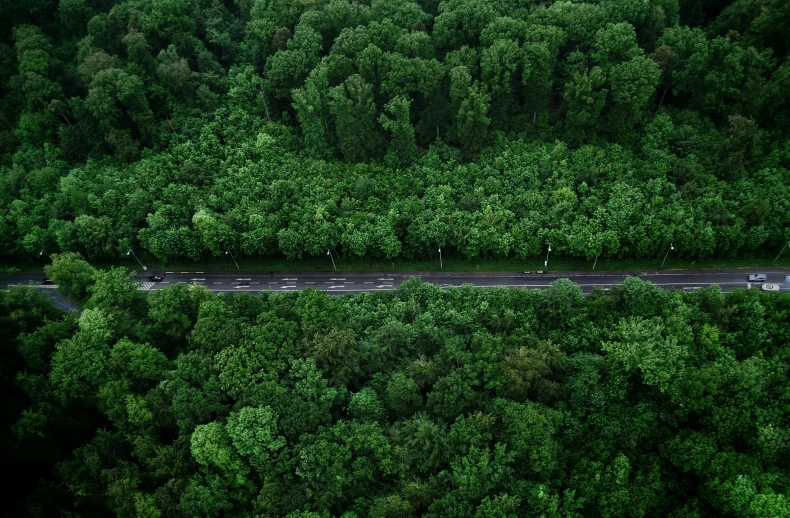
(383, 129)
(468, 402)
(387, 128)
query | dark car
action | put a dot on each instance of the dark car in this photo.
(46, 280)
(155, 278)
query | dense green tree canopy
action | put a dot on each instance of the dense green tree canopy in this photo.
(419, 401)
(186, 129)
(383, 129)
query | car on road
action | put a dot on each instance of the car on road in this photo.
(757, 277)
(155, 278)
(47, 280)
(770, 287)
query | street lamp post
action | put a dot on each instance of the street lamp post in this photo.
(227, 252)
(671, 247)
(441, 267)
(595, 262)
(546, 262)
(138, 260)
(329, 253)
(43, 252)
(780, 252)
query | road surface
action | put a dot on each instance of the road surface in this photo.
(358, 281)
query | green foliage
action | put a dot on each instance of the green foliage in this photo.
(385, 129)
(402, 144)
(189, 128)
(465, 402)
(253, 433)
(73, 275)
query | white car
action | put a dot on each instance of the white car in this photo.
(757, 277)
(770, 287)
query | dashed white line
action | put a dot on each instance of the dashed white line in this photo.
(243, 279)
(309, 283)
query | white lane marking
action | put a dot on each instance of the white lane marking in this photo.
(749, 286)
(385, 286)
(200, 279)
(243, 279)
(337, 278)
(283, 287)
(309, 282)
(294, 279)
(218, 282)
(200, 272)
(242, 286)
(168, 272)
(146, 286)
(367, 282)
(384, 279)
(165, 282)
(682, 283)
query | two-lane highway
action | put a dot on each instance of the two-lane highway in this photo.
(358, 281)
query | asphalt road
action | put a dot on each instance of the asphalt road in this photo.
(359, 281)
(27, 279)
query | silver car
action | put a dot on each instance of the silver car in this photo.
(757, 277)
(770, 287)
